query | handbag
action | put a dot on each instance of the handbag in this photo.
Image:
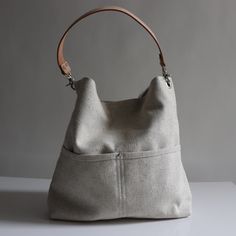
(120, 159)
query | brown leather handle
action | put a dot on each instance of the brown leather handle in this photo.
(64, 65)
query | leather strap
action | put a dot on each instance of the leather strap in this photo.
(64, 65)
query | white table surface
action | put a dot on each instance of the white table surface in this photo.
(23, 211)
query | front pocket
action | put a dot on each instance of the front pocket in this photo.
(147, 184)
(84, 187)
(155, 185)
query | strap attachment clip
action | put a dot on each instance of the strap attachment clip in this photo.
(166, 76)
(71, 81)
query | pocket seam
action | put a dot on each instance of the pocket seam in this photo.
(112, 156)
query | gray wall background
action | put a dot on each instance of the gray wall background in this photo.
(198, 39)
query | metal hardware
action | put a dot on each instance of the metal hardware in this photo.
(166, 76)
(118, 155)
(71, 81)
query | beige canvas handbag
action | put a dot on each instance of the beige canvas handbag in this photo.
(120, 158)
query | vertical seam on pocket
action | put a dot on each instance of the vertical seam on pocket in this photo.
(123, 186)
(118, 185)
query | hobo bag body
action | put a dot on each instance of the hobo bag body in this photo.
(120, 158)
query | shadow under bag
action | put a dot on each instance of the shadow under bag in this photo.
(120, 158)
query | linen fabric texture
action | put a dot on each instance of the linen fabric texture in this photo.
(121, 158)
